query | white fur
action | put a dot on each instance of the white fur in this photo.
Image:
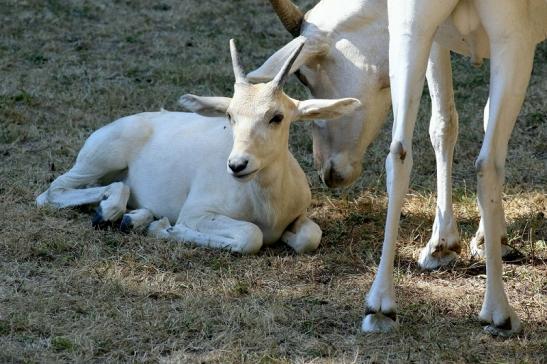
(173, 165)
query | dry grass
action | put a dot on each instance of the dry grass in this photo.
(70, 293)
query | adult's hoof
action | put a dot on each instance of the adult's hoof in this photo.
(433, 258)
(379, 321)
(508, 328)
(478, 251)
(500, 320)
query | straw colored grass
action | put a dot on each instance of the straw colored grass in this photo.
(69, 293)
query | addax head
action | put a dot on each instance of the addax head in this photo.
(260, 116)
(346, 54)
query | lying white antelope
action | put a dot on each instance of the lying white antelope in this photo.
(346, 54)
(173, 164)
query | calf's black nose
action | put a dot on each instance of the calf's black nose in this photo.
(238, 166)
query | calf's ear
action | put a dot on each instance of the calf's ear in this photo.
(205, 105)
(326, 109)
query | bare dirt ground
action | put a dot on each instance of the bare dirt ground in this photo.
(69, 293)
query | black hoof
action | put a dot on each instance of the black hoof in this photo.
(98, 222)
(126, 225)
(503, 329)
(514, 256)
(390, 314)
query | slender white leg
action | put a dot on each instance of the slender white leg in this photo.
(444, 245)
(95, 160)
(511, 65)
(303, 235)
(213, 231)
(412, 25)
(477, 243)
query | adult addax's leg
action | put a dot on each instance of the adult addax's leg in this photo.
(511, 65)
(477, 243)
(212, 231)
(444, 245)
(412, 25)
(303, 235)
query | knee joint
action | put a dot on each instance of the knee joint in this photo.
(396, 148)
(252, 238)
(444, 131)
(485, 166)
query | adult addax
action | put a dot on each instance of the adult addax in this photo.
(346, 54)
(505, 30)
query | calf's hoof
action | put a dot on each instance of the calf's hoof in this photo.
(307, 243)
(126, 225)
(136, 220)
(99, 222)
(159, 228)
(42, 200)
(377, 321)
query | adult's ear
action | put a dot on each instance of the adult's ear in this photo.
(205, 105)
(326, 109)
(272, 66)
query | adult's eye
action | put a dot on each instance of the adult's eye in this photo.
(278, 118)
(229, 117)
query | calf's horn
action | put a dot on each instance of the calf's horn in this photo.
(238, 70)
(289, 14)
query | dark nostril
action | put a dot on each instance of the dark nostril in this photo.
(332, 174)
(331, 177)
(237, 166)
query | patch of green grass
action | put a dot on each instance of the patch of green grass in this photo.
(4, 327)
(61, 343)
(241, 288)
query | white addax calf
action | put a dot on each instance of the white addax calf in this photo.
(173, 164)
(505, 30)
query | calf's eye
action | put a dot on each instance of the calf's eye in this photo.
(278, 118)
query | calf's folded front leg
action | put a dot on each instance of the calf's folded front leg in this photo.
(212, 231)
